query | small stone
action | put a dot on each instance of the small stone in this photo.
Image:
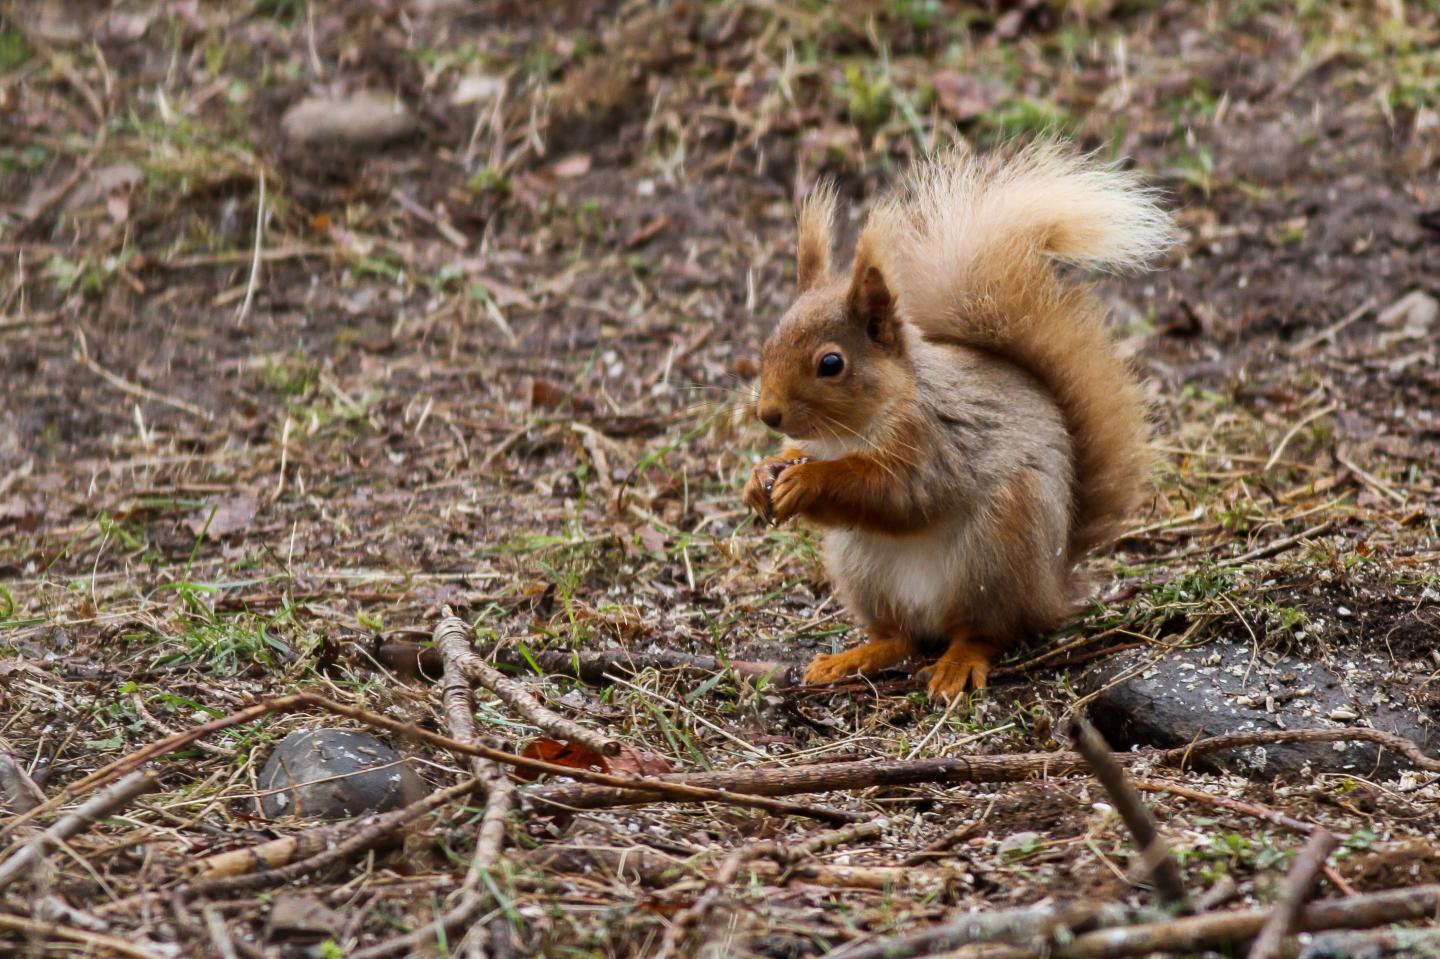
(1018, 843)
(1177, 705)
(362, 119)
(335, 774)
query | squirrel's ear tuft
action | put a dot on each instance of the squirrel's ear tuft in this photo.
(871, 300)
(817, 237)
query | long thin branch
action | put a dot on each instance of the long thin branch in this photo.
(1154, 851)
(647, 785)
(827, 777)
(1188, 934)
(1216, 930)
(367, 834)
(452, 638)
(96, 808)
(1180, 756)
(55, 930)
(1299, 884)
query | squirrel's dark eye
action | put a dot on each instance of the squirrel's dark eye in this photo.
(831, 364)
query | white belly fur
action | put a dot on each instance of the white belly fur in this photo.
(921, 580)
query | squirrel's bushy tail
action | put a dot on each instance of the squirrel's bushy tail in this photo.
(970, 247)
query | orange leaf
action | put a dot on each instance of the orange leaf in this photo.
(561, 754)
(631, 761)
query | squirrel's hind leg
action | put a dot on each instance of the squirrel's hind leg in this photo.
(965, 664)
(886, 647)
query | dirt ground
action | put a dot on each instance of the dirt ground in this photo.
(500, 362)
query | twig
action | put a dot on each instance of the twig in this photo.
(1179, 756)
(55, 930)
(367, 834)
(1249, 809)
(1330, 331)
(254, 281)
(499, 800)
(96, 808)
(1278, 546)
(1154, 851)
(645, 785)
(941, 846)
(452, 638)
(219, 934)
(1290, 434)
(1009, 925)
(1187, 934)
(596, 667)
(1370, 479)
(1192, 934)
(829, 777)
(1299, 884)
(125, 386)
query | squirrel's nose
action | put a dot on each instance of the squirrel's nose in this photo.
(771, 417)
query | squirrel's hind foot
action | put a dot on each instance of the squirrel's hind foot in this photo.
(867, 658)
(964, 666)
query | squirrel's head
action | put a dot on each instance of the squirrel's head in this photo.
(836, 360)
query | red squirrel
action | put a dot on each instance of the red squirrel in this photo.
(960, 422)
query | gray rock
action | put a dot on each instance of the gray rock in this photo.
(360, 120)
(335, 774)
(1225, 687)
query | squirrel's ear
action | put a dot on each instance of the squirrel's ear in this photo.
(817, 229)
(871, 301)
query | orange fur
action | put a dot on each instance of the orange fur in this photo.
(968, 243)
(886, 647)
(968, 431)
(816, 229)
(964, 665)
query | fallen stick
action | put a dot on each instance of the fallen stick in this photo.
(459, 707)
(1217, 930)
(1299, 884)
(1179, 756)
(656, 870)
(745, 787)
(452, 638)
(1155, 854)
(665, 790)
(826, 777)
(1014, 767)
(96, 808)
(1278, 546)
(1189, 934)
(1030, 922)
(363, 836)
(1256, 810)
(55, 930)
(587, 666)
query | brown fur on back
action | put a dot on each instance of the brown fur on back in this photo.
(970, 247)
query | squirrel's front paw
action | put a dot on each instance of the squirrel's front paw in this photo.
(793, 492)
(760, 487)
